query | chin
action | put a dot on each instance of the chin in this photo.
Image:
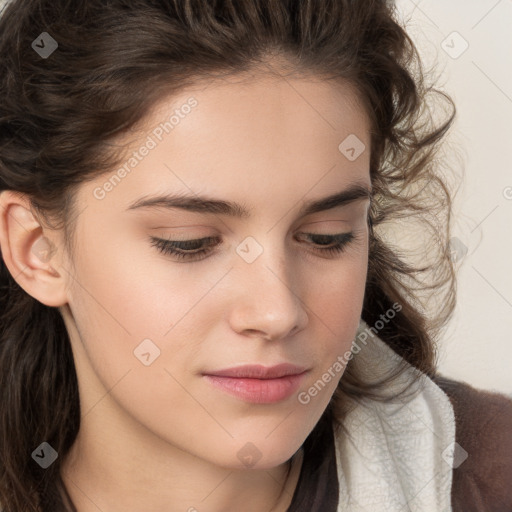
(258, 454)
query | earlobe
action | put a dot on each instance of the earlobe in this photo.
(29, 255)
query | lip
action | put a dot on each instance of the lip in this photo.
(258, 383)
(258, 371)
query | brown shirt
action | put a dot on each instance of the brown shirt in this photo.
(483, 427)
(481, 483)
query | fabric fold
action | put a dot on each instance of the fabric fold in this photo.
(396, 455)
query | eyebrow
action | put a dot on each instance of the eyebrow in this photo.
(205, 204)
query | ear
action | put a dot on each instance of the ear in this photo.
(27, 250)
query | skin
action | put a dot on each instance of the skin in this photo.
(159, 437)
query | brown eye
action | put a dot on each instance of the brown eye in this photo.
(337, 242)
(185, 249)
(195, 249)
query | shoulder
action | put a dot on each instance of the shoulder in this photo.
(483, 429)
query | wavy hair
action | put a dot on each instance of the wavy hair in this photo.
(60, 116)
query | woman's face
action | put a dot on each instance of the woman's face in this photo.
(265, 287)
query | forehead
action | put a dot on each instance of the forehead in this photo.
(265, 102)
(252, 107)
(240, 135)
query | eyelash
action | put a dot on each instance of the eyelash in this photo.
(171, 247)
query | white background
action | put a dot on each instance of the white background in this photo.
(477, 346)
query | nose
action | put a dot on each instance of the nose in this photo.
(267, 302)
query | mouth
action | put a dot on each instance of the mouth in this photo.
(258, 384)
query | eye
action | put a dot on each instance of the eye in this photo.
(337, 243)
(185, 249)
(193, 250)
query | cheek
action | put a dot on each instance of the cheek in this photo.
(334, 305)
(336, 297)
(132, 311)
(123, 308)
(138, 295)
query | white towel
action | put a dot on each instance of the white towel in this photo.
(399, 455)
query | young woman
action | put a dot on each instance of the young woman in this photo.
(201, 310)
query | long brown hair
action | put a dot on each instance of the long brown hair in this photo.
(60, 114)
